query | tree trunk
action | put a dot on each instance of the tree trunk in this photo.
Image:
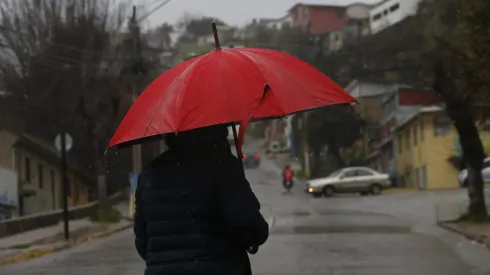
(335, 151)
(474, 155)
(453, 88)
(101, 185)
(316, 163)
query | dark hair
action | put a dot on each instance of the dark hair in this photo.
(287, 167)
(212, 136)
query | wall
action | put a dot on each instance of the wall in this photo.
(325, 20)
(47, 184)
(425, 163)
(8, 193)
(441, 172)
(7, 140)
(26, 223)
(384, 15)
(357, 11)
(409, 96)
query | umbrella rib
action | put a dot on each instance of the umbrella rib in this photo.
(262, 75)
(186, 71)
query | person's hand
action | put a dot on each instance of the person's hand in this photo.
(252, 249)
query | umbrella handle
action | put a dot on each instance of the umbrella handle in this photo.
(253, 249)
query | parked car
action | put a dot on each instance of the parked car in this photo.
(251, 160)
(361, 180)
(485, 172)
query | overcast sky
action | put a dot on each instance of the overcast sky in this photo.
(233, 12)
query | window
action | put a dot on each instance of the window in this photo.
(423, 177)
(350, 174)
(407, 140)
(486, 163)
(376, 17)
(395, 7)
(27, 163)
(53, 188)
(364, 172)
(442, 126)
(400, 144)
(40, 174)
(422, 132)
(415, 135)
(416, 178)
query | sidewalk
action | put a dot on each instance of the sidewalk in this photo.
(49, 239)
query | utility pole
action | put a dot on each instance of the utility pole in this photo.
(135, 57)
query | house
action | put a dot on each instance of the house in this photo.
(31, 176)
(390, 12)
(370, 95)
(400, 102)
(318, 19)
(424, 145)
(276, 23)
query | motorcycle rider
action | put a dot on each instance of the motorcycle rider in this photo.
(287, 177)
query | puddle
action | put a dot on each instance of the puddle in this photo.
(301, 214)
(310, 230)
(349, 213)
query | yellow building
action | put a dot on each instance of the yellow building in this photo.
(424, 144)
(36, 164)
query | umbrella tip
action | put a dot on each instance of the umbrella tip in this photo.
(216, 38)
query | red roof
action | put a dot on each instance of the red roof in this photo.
(323, 18)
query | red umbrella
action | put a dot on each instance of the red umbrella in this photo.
(227, 86)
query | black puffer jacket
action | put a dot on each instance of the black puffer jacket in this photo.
(196, 214)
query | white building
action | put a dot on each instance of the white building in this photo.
(390, 12)
(278, 23)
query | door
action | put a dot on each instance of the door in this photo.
(364, 179)
(346, 182)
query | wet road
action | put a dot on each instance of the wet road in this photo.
(348, 235)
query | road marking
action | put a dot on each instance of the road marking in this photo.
(271, 221)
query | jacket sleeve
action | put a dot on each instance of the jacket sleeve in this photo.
(140, 222)
(242, 208)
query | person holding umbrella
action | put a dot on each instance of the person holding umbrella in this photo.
(195, 211)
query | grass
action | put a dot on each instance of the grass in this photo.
(465, 217)
(107, 215)
(21, 246)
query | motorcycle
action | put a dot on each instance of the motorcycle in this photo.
(288, 184)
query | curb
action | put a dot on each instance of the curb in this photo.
(36, 253)
(399, 190)
(477, 238)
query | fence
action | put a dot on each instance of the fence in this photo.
(26, 223)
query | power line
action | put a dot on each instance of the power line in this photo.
(148, 14)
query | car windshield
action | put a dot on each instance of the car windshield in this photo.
(335, 173)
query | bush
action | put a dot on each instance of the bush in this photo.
(107, 214)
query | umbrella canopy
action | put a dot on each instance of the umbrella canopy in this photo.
(227, 86)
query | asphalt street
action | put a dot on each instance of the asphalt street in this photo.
(392, 234)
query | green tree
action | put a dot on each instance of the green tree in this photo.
(458, 39)
(337, 127)
(64, 70)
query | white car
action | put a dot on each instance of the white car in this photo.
(485, 173)
(361, 180)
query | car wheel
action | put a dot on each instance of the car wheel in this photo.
(364, 193)
(376, 189)
(328, 191)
